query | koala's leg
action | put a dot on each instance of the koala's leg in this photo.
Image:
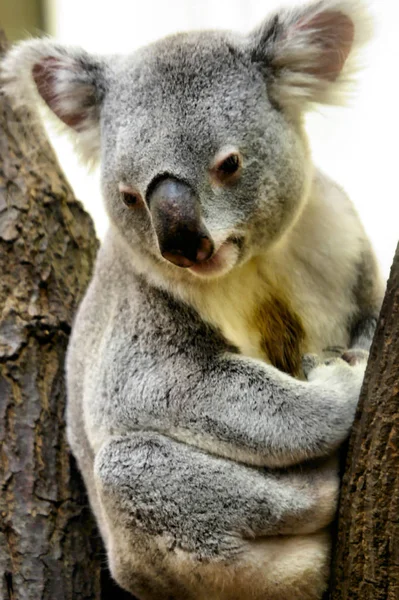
(183, 524)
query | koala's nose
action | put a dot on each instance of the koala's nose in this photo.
(182, 236)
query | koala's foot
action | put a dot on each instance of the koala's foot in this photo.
(184, 524)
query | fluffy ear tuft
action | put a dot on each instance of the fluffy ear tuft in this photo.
(70, 82)
(309, 53)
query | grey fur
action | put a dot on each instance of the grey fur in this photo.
(202, 462)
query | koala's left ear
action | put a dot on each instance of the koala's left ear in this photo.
(71, 82)
(309, 53)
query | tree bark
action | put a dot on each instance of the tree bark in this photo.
(366, 558)
(49, 545)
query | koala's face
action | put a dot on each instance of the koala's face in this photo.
(198, 166)
(203, 160)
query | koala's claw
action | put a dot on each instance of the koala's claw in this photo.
(355, 356)
(333, 351)
(331, 355)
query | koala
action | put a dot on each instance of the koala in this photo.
(216, 361)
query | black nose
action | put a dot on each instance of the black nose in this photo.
(182, 236)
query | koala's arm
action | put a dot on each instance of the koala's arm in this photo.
(184, 381)
(240, 409)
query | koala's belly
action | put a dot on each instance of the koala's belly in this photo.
(283, 568)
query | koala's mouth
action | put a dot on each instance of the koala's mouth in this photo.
(220, 263)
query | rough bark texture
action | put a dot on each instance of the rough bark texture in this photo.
(366, 561)
(49, 545)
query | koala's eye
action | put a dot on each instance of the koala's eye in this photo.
(129, 199)
(227, 167)
(230, 165)
(129, 196)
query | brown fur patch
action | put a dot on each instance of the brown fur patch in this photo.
(282, 334)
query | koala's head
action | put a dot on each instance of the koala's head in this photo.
(203, 158)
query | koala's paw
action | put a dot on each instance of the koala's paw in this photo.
(348, 369)
(342, 377)
(352, 356)
(335, 386)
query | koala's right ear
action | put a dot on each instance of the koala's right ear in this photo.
(309, 53)
(71, 82)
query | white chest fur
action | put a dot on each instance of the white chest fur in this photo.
(275, 314)
(300, 292)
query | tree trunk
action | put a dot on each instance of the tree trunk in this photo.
(49, 545)
(366, 558)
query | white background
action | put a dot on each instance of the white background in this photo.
(358, 146)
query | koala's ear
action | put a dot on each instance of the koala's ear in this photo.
(71, 82)
(309, 53)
